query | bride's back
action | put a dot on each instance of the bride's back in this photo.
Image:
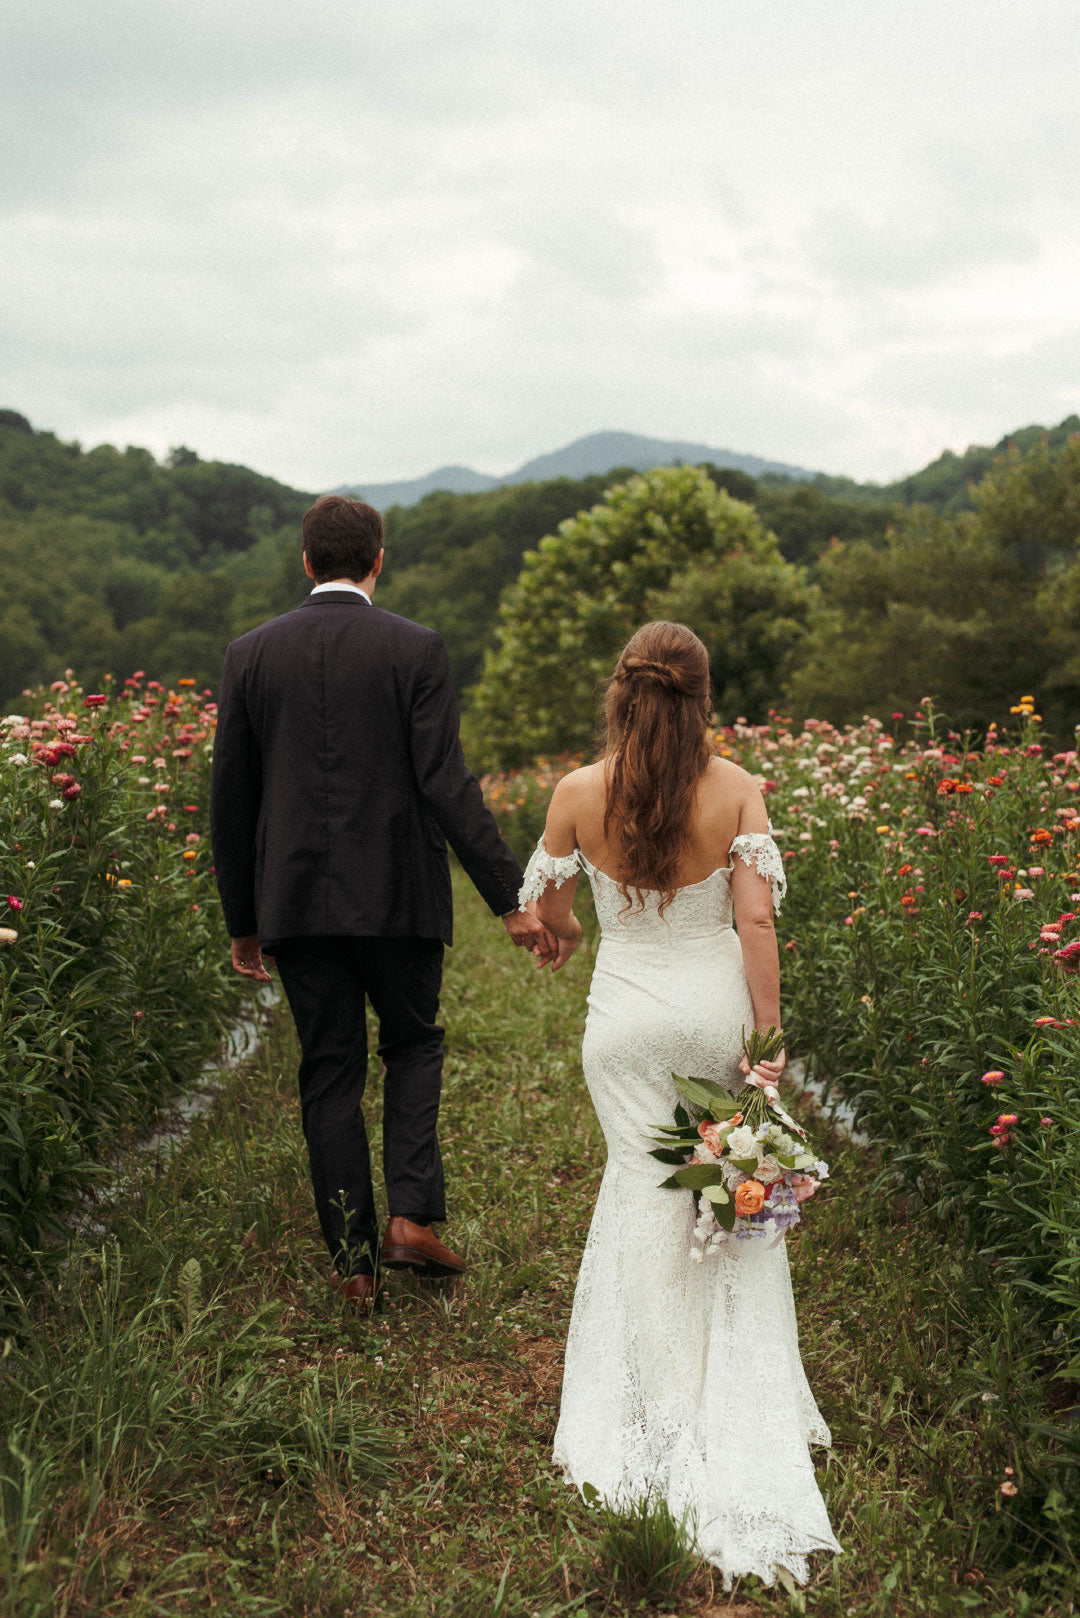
(660, 810)
(723, 791)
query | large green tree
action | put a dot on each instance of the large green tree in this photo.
(940, 609)
(584, 591)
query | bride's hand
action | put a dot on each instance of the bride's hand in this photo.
(765, 1075)
(568, 939)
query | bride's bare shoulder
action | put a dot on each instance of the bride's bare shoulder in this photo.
(581, 786)
(723, 775)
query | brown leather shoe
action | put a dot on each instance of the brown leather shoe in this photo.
(358, 1289)
(406, 1246)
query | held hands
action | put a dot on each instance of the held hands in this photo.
(547, 947)
(247, 959)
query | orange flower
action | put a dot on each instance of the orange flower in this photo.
(1040, 837)
(749, 1198)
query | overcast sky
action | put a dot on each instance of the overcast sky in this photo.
(354, 239)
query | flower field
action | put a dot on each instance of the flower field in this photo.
(114, 974)
(931, 962)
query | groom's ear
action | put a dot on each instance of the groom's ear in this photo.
(308, 569)
(377, 569)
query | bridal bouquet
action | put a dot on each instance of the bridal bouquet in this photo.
(749, 1166)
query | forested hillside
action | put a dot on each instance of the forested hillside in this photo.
(111, 560)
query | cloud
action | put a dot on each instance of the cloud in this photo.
(343, 242)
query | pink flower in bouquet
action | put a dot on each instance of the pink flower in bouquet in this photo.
(710, 1134)
(768, 1170)
(803, 1186)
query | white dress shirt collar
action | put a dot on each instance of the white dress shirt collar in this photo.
(340, 584)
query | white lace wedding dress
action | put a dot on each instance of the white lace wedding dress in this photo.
(682, 1379)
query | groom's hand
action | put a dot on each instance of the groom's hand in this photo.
(247, 959)
(527, 932)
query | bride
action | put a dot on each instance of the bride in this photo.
(683, 1380)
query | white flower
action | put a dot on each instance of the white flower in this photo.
(779, 1139)
(821, 1169)
(8, 935)
(56, 803)
(768, 1170)
(17, 758)
(742, 1142)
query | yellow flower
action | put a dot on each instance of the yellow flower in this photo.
(188, 854)
(124, 882)
(882, 831)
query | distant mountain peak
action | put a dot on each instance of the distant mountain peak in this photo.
(596, 453)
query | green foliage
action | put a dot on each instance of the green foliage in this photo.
(947, 484)
(93, 546)
(451, 557)
(117, 983)
(939, 607)
(751, 608)
(583, 592)
(646, 1551)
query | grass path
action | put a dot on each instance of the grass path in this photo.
(196, 1427)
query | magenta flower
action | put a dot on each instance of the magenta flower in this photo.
(13, 902)
(95, 701)
(994, 1076)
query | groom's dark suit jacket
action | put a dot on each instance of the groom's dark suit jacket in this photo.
(338, 780)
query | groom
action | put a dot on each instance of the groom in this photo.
(338, 780)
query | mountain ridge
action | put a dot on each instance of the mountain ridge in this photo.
(594, 453)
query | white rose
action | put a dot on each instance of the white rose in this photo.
(742, 1142)
(768, 1170)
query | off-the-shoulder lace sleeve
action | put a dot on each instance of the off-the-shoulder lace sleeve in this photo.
(756, 848)
(544, 868)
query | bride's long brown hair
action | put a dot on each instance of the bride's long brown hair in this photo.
(658, 743)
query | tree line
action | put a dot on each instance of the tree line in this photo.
(828, 597)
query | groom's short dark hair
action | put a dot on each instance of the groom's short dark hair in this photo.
(342, 538)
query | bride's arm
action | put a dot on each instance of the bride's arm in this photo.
(752, 900)
(555, 906)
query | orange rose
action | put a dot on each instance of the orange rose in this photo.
(749, 1198)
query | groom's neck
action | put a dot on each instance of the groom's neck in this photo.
(367, 585)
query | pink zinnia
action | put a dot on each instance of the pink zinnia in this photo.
(96, 701)
(13, 902)
(73, 790)
(994, 1076)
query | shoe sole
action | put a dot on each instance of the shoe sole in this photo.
(413, 1258)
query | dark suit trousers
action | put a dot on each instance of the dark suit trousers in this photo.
(327, 981)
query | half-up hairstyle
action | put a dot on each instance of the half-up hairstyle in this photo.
(658, 741)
